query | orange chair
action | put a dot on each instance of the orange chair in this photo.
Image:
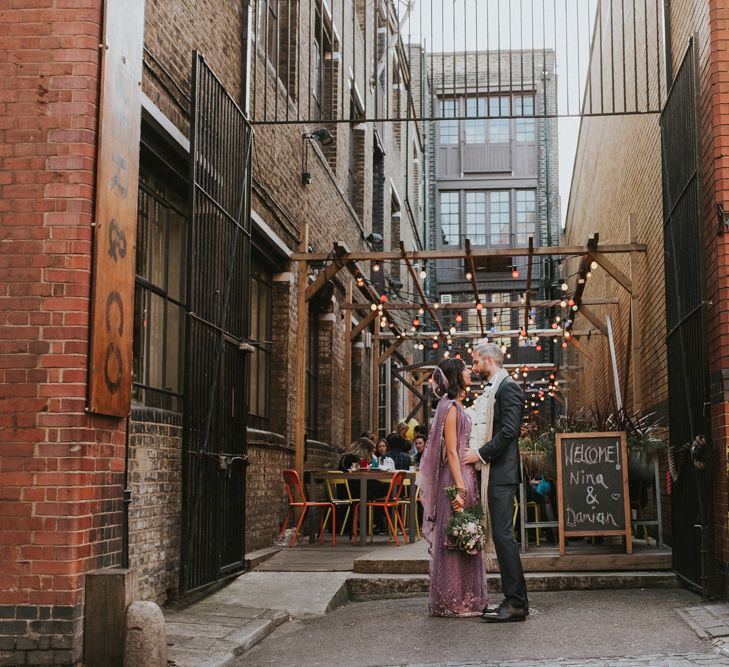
(391, 501)
(294, 489)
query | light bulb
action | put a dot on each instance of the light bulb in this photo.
(593, 265)
(436, 305)
(565, 287)
(423, 274)
(479, 306)
(376, 267)
(563, 304)
(421, 311)
(373, 306)
(469, 275)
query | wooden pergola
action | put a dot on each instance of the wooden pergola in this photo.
(375, 307)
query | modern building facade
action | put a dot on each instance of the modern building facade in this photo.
(494, 181)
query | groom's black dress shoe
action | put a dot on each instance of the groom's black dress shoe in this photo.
(505, 614)
(494, 608)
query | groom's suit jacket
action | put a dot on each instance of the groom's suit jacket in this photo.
(502, 451)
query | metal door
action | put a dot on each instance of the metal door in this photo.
(688, 394)
(216, 369)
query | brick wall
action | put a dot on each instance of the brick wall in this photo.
(61, 469)
(155, 480)
(618, 175)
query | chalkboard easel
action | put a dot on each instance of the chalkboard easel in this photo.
(592, 486)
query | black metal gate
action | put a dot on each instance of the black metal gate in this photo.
(688, 394)
(216, 369)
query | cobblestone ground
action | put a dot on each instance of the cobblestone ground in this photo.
(626, 628)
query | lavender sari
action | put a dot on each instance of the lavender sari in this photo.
(457, 581)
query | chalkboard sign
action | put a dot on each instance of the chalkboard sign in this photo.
(592, 486)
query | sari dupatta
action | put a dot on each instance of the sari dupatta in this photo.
(430, 465)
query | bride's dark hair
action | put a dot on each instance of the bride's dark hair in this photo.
(448, 378)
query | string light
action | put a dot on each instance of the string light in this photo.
(373, 306)
(564, 344)
(435, 345)
(416, 322)
(383, 298)
(459, 317)
(514, 271)
(469, 275)
(479, 306)
(593, 265)
(446, 354)
(376, 267)
(563, 304)
(421, 311)
(436, 305)
(565, 287)
(423, 272)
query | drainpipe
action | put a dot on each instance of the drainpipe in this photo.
(667, 42)
(246, 64)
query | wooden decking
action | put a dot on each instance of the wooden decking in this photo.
(383, 557)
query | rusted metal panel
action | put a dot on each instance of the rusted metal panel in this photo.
(110, 367)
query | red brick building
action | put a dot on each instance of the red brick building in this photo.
(64, 469)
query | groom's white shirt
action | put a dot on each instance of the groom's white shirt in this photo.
(479, 425)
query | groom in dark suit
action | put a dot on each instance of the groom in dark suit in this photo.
(502, 453)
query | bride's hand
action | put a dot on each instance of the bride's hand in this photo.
(458, 503)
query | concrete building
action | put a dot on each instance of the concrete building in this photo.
(66, 470)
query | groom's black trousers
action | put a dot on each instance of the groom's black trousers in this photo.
(501, 509)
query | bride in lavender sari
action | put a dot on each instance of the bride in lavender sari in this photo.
(457, 582)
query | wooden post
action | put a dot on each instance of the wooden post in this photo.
(635, 328)
(348, 368)
(375, 379)
(302, 312)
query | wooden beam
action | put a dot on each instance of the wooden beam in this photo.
(635, 328)
(509, 333)
(581, 348)
(302, 310)
(348, 367)
(371, 315)
(419, 287)
(375, 381)
(467, 305)
(613, 270)
(594, 319)
(408, 384)
(415, 409)
(327, 273)
(390, 350)
(474, 286)
(458, 253)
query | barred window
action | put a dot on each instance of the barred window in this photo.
(525, 128)
(476, 128)
(260, 359)
(499, 128)
(159, 310)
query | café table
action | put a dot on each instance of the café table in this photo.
(363, 476)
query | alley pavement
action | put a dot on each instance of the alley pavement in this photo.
(611, 628)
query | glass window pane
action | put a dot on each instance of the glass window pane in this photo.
(526, 215)
(449, 218)
(175, 341)
(155, 341)
(499, 217)
(499, 131)
(476, 128)
(525, 129)
(476, 217)
(448, 129)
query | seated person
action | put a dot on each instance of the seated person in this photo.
(401, 459)
(361, 448)
(381, 450)
(418, 448)
(398, 440)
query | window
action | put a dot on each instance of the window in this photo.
(476, 128)
(355, 182)
(160, 286)
(476, 217)
(526, 215)
(322, 64)
(271, 7)
(448, 129)
(525, 129)
(499, 127)
(499, 217)
(260, 360)
(449, 218)
(312, 374)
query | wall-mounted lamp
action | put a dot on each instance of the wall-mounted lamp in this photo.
(373, 238)
(324, 137)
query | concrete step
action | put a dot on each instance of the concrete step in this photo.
(386, 586)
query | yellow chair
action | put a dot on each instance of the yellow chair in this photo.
(334, 499)
(404, 506)
(537, 516)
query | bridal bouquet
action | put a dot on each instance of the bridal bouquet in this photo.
(465, 531)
